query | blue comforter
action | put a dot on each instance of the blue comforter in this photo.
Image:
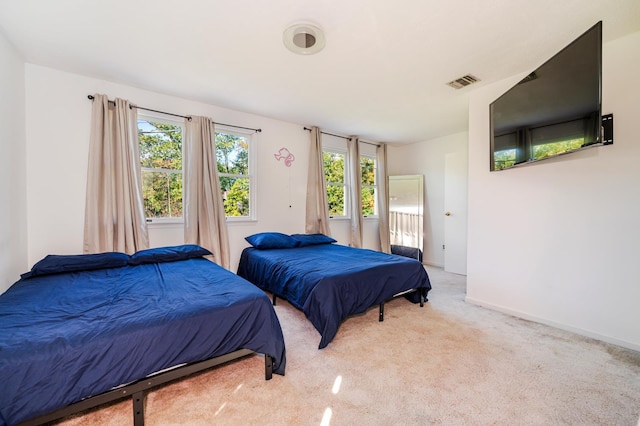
(65, 337)
(329, 282)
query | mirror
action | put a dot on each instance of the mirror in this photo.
(406, 220)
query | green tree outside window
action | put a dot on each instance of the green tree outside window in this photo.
(162, 177)
(232, 152)
(334, 178)
(161, 166)
(367, 170)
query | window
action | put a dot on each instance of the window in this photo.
(508, 157)
(537, 143)
(162, 177)
(161, 166)
(337, 194)
(504, 159)
(334, 163)
(235, 173)
(368, 183)
(550, 149)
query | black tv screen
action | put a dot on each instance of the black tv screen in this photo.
(554, 110)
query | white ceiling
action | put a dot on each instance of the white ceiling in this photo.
(382, 74)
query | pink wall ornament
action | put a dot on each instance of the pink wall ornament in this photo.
(284, 153)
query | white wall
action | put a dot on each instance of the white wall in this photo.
(13, 248)
(58, 121)
(428, 159)
(558, 241)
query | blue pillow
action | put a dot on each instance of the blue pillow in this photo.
(168, 254)
(312, 239)
(271, 240)
(56, 264)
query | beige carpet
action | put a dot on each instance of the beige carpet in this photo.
(449, 363)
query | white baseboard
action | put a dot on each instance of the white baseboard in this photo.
(581, 332)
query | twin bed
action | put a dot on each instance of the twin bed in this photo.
(328, 281)
(80, 331)
(83, 326)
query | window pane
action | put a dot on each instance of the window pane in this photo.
(175, 195)
(232, 154)
(333, 167)
(160, 145)
(503, 159)
(368, 168)
(162, 193)
(335, 198)
(555, 148)
(368, 201)
(236, 196)
(161, 148)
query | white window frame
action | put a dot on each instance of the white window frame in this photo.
(153, 221)
(345, 186)
(251, 137)
(374, 186)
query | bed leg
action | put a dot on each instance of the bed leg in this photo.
(422, 297)
(381, 315)
(268, 367)
(138, 408)
(273, 299)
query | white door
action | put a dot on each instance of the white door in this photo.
(455, 212)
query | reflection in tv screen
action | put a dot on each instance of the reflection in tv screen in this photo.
(554, 110)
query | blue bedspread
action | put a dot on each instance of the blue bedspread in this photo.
(65, 337)
(329, 282)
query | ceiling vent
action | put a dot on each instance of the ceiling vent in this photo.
(463, 81)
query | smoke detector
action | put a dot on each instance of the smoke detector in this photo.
(303, 39)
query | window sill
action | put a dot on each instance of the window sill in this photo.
(179, 223)
(165, 223)
(234, 220)
(339, 218)
(344, 218)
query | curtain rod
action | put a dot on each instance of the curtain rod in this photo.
(182, 116)
(343, 137)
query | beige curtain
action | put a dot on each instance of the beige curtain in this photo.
(317, 209)
(114, 217)
(383, 197)
(204, 217)
(354, 183)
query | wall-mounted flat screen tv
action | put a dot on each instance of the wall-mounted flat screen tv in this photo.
(554, 110)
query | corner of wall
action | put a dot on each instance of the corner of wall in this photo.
(13, 232)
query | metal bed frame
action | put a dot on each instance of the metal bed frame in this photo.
(423, 299)
(138, 390)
